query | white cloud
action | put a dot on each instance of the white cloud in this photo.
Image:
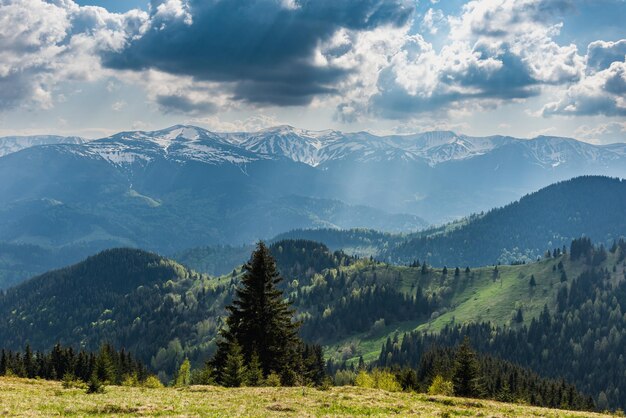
(603, 133)
(433, 20)
(601, 54)
(601, 93)
(119, 105)
(250, 124)
(497, 51)
(44, 43)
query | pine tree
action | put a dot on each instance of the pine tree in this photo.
(261, 321)
(254, 373)
(104, 369)
(466, 373)
(519, 316)
(94, 385)
(29, 367)
(3, 363)
(183, 377)
(234, 370)
(532, 282)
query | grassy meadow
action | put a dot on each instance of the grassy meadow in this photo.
(479, 297)
(39, 398)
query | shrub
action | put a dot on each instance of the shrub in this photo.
(378, 379)
(344, 378)
(94, 385)
(386, 381)
(364, 380)
(70, 381)
(130, 380)
(152, 382)
(441, 386)
(272, 380)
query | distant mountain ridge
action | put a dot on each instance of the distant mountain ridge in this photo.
(11, 144)
(314, 148)
(185, 186)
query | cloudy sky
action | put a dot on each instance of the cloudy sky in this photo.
(516, 67)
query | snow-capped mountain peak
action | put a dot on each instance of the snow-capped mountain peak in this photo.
(187, 143)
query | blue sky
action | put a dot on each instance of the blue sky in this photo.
(117, 6)
(481, 67)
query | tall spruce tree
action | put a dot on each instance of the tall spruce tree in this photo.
(261, 321)
(466, 372)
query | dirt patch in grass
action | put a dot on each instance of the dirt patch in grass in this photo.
(114, 409)
(280, 408)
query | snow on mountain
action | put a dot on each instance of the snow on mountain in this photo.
(185, 143)
(10, 144)
(178, 143)
(286, 141)
(555, 151)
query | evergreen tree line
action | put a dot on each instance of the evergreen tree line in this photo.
(163, 313)
(358, 312)
(107, 365)
(430, 366)
(303, 258)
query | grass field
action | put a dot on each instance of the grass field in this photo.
(482, 298)
(24, 397)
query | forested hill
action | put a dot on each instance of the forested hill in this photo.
(151, 306)
(592, 206)
(579, 335)
(129, 298)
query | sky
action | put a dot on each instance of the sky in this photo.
(482, 67)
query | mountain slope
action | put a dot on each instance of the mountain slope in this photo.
(144, 194)
(129, 298)
(10, 144)
(523, 230)
(577, 336)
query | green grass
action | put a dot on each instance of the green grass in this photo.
(38, 398)
(477, 297)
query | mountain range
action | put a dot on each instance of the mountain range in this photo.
(185, 186)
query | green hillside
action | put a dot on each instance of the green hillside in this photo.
(163, 312)
(351, 305)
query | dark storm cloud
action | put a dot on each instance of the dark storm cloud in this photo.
(182, 104)
(263, 47)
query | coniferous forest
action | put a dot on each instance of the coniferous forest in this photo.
(267, 323)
